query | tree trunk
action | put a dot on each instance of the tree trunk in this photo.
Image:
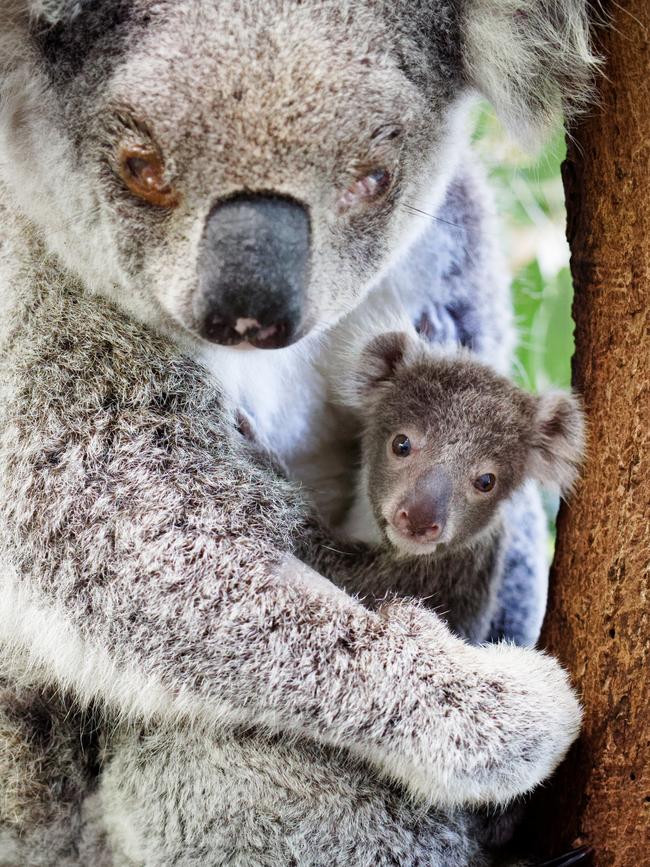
(597, 622)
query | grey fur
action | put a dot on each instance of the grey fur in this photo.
(286, 803)
(523, 593)
(174, 513)
(147, 552)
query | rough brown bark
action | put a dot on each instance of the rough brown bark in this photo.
(597, 622)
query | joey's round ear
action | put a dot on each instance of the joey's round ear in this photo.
(530, 58)
(380, 360)
(558, 439)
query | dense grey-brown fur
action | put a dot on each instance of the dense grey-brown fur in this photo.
(148, 569)
(287, 803)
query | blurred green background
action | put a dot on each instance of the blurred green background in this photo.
(530, 202)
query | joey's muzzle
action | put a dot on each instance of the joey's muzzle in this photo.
(253, 272)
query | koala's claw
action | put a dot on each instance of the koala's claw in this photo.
(583, 856)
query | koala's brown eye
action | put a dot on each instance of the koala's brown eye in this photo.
(143, 172)
(485, 483)
(369, 187)
(401, 446)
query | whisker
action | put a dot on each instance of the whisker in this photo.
(337, 551)
(415, 210)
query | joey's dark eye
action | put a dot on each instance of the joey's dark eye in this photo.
(485, 483)
(143, 172)
(401, 446)
(367, 188)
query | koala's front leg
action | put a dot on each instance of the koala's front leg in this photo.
(452, 723)
(458, 724)
(285, 650)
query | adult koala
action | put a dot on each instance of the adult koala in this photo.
(176, 177)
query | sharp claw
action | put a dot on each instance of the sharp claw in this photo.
(582, 857)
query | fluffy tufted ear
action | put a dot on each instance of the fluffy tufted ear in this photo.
(381, 358)
(531, 59)
(558, 439)
(377, 363)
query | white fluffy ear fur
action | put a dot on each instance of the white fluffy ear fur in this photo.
(373, 364)
(531, 59)
(380, 359)
(343, 362)
(558, 441)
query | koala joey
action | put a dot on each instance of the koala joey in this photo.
(445, 441)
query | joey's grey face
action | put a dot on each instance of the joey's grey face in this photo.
(251, 165)
(443, 451)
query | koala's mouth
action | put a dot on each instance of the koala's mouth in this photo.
(248, 332)
(414, 544)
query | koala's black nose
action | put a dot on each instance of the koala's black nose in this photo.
(253, 271)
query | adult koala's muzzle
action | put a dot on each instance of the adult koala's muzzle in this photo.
(253, 271)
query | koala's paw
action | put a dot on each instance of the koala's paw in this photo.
(477, 725)
(537, 713)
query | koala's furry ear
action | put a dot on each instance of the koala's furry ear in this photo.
(381, 358)
(531, 59)
(376, 364)
(558, 439)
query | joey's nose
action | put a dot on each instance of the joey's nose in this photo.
(417, 525)
(423, 513)
(253, 271)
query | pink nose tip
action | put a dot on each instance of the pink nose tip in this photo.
(415, 528)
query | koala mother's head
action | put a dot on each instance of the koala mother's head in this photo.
(244, 169)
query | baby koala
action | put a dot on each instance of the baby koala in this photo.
(444, 442)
